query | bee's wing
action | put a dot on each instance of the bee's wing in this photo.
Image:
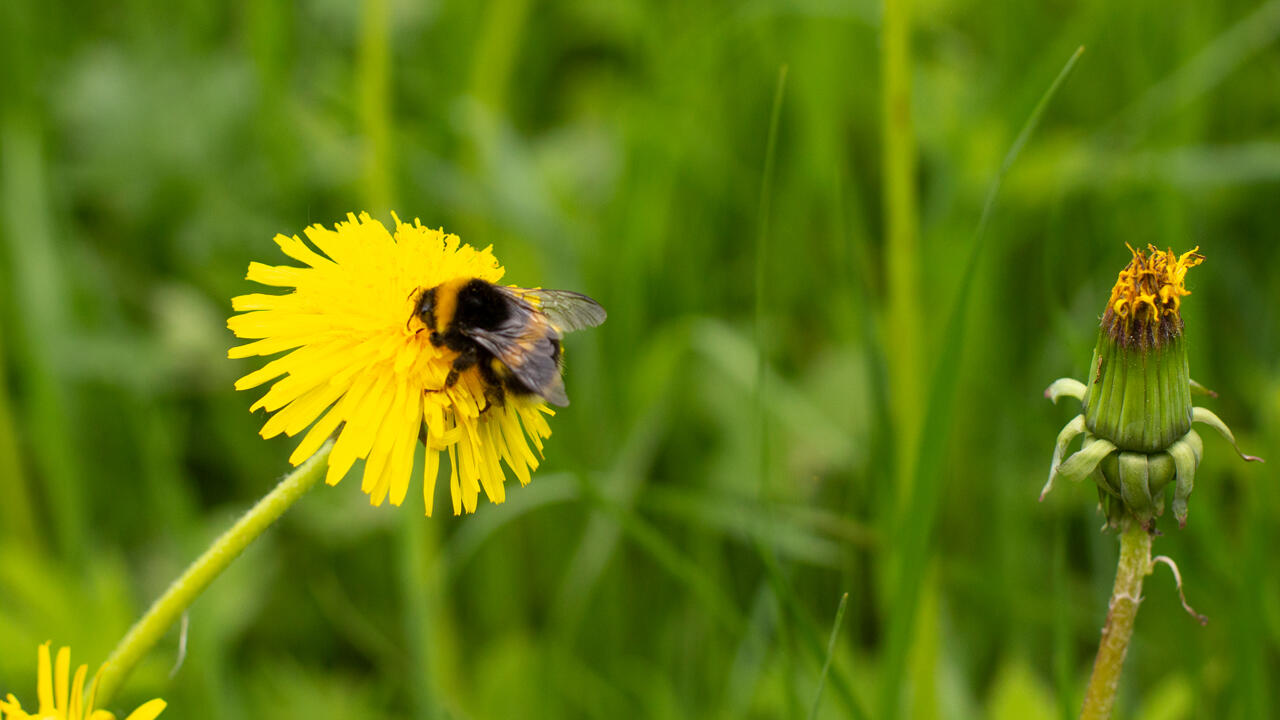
(525, 343)
(568, 310)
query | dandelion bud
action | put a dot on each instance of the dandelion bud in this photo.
(1136, 406)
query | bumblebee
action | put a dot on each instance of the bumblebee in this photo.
(510, 335)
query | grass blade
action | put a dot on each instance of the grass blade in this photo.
(917, 526)
(808, 632)
(39, 285)
(762, 262)
(831, 649)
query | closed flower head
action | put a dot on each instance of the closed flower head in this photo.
(1136, 411)
(362, 361)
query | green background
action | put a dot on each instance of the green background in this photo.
(665, 562)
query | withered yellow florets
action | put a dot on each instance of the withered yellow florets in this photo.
(1151, 287)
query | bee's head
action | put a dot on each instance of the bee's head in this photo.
(425, 308)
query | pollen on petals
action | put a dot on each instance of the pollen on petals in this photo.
(358, 365)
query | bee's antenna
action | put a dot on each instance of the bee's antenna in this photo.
(412, 315)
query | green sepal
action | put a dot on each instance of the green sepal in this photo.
(1108, 474)
(1069, 433)
(1198, 389)
(1084, 461)
(1107, 469)
(1112, 506)
(1186, 454)
(1160, 472)
(1202, 415)
(1065, 387)
(1134, 488)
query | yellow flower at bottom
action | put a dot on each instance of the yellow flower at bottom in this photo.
(62, 697)
(359, 360)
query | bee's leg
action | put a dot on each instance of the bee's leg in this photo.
(450, 380)
(465, 361)
(493, 393)
(493, 396)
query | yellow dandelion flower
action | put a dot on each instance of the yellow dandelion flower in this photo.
(364, 363)
(1151, 288)
(62, 697)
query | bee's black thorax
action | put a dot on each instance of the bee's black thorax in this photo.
(481, 305)
(452, 310)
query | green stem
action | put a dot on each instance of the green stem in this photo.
(903, 337)
(902, 245)
(144, 633)
(1134, 565)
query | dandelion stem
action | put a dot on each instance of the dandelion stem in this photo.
(183, 592)
(1134, 565)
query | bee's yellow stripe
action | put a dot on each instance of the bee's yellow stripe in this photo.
(447, 301)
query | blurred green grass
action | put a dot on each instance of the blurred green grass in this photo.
(149, 151)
